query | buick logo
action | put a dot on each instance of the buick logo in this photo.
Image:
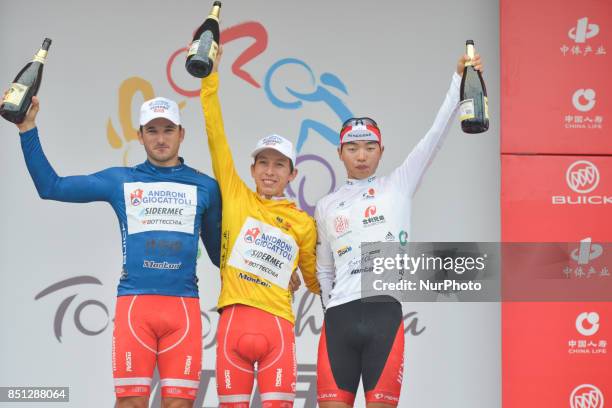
(582, 176)
(586, 396)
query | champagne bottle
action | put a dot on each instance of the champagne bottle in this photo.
(474, 109)
(18, 99)
(205, 45)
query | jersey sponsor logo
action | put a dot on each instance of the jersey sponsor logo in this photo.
(279, 377)
(163, 247)
(371, 193)
(187, 369)
(261, 269)
(162, 222)
(265, 251)
(344, 250)
(385, 397)
(228, 379)
(341, 224)
(355, 267)
(370, 211)
(160, 206)
(254, 280)
(257, 254)
(136, 197)
(283, 224)
(370, 218)
(275, 244)
(362, 270)
(161, 265)
(251, 235)
(163, 211)
(128, 361)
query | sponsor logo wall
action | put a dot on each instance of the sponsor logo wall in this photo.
(556, 77)
(557, 188)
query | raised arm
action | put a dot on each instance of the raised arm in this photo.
(221, 155)
(410, 173)
(77, 189)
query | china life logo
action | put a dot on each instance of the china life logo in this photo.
(587, 326)
(587, 323)
(583, 117)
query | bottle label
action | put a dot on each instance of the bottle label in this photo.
(466, 109)
(15, 94)
(194, 48)
(40, 56)
(207, 45)
(214, 49)
(486, 107)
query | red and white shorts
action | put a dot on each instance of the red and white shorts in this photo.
(249, 337)
(166, 330)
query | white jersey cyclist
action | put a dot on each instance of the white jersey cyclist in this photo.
(374, 209)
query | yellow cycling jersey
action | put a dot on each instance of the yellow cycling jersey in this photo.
(263, 241)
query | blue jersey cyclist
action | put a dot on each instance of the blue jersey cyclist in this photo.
(163, 207)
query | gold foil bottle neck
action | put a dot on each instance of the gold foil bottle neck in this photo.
(214, 13)
(469, 50)
(41, 56)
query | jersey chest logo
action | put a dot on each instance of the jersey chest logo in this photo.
(160, 207)
(265, 251)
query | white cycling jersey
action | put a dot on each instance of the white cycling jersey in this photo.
(376, 209)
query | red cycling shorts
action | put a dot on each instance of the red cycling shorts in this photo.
(250, 338)
(150, 329)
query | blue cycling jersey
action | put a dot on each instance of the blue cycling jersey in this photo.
(161, 213)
